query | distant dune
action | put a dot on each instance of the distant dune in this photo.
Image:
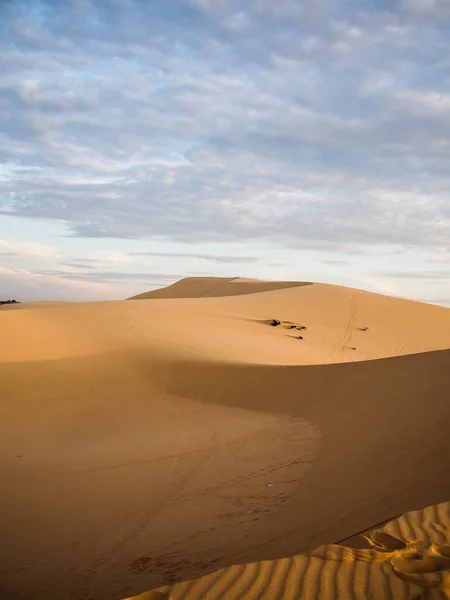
(209, 287)
(220, 422)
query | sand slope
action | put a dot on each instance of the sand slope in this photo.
(235, 328)
(33, 305)
(387, 571)
(149, 442)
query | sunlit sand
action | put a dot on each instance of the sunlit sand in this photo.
(227, 434)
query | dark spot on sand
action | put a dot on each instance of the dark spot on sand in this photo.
(141, 564)
(274, 322)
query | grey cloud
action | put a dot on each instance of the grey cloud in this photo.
(440, 300)
(336, 262)
(310, 124)
(84, 261)
(211, 257)
(111, 276)
(436, 9)
(77, 265)
(444, 301)
(439, 260)
(435, 275)
(19, 285)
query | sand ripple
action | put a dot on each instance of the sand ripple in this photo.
(407, 559)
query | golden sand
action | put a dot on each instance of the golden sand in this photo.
(408, 558)
(152, 441)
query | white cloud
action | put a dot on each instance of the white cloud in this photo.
(312, 124)
(423, 101)
(380, 286)
(111, 256)
(24, 248)
(26, 286)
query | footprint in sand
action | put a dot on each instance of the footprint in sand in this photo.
(384, 542)
(419, 562)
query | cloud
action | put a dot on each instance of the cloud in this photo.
(435, 275)
(26, 286)
(24, 248)
(439, 260)
(380, 286)
(200, 256)
(313, 124)
(78, 265)
(444, 301)
(110, 276)
(433, 8)
(336, 262)
(438, 300)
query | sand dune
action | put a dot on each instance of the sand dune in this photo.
(386, 570)
(234, 328)
(154, 441)
(210, 287)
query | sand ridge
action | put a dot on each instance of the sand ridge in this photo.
(210, 287)
(192, 432)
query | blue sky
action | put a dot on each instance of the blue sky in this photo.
(143, 141)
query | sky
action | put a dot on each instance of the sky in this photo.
(142, 141)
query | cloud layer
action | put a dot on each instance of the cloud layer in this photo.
(309, 124)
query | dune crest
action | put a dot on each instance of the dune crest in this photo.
(211, 287)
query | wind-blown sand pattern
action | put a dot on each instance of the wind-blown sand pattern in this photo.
(413, 563)
(152, 441)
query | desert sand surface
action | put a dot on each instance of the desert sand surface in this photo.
(161, 439)
(407, 558)
(33, 305)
